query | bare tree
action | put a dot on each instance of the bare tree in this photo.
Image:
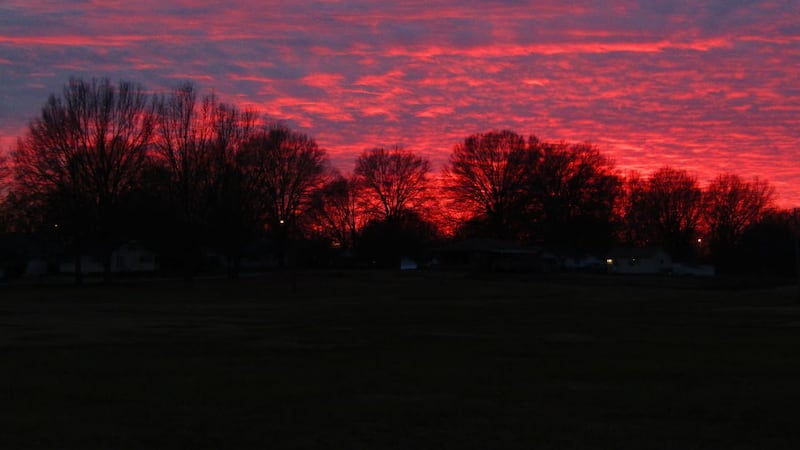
(5, 177)
(22, 212)
(767, 247)
(395, 179)
(6, 208)
(5, 174)
(731, 206)
(337, 210)
(284, 168)
(85, 150)
(491, 173)
(633, 219)
(184, 138)
(197, 143)
(666, 210)
(575, 190)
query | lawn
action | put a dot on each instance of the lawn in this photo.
(379, 360)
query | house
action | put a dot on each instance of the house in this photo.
(694, 270)
(36, 267)
(584, 263)
(641, 261)
(494, 255)
(132, 257)
(23, 255)
(127, 258)
(407, 263)
(89, 264)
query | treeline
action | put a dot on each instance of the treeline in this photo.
(106, 163)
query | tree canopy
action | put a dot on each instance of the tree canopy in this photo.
(102, 160)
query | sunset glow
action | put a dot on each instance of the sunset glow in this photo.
(708, 86)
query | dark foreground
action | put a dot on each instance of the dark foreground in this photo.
(399, 361)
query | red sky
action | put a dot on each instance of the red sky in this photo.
(709, 86)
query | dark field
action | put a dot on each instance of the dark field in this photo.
(369, 360)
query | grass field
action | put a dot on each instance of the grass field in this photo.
(370, 360)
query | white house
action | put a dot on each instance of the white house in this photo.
(89, 264)
(407, 263)
(36, 267)
(128, 258)
(642, 261)
(694, 270)
(586, 263)
(132, 258)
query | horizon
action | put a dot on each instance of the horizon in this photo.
(711, 88)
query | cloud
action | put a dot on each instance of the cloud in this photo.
(709, 86)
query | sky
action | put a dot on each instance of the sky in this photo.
(708, 86)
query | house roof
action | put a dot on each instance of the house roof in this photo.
(634, 252)
(489, 246)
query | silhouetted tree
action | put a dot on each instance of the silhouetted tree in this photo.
(384, 242)
(183, 145)
(197, 143)
(393, 180)
(84, 151)
(280, 170)
(23, 211)
(491, 174)
(633, 228)
(5, 175)
(731, 205)
(766, 247)
(150, 216)
(235, 205)
(337, 212)
(5, 189)
(665, 210)
(284, 168)
(574, 193)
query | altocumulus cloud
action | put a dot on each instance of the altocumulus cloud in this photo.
(709, 85)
